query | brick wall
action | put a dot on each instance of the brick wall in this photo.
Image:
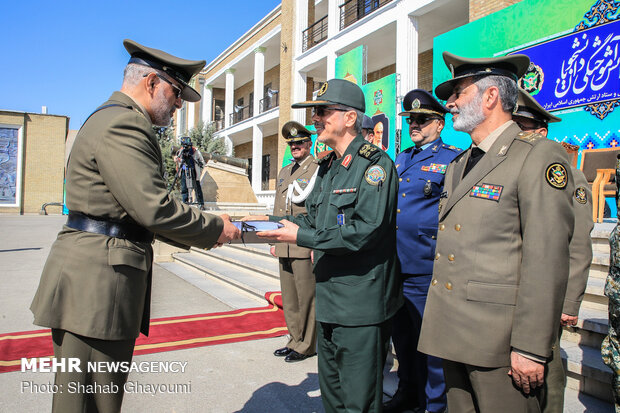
(481, 8)
(270, 146)
(43, 160)
(378, 74)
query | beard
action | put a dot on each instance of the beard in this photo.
(162, 112)
(469, 116)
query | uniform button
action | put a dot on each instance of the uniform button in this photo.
(403, 194)
(396, 227)
(434, 282)
(433, 237)
(457, 227)
(400, 179)
(451, 257)
(437, 256)
(407, 179)
(449, 285)
(442, 227)
(398, 211)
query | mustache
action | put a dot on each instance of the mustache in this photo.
(454, 111)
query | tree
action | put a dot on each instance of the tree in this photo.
(202, 138)
(165, 137)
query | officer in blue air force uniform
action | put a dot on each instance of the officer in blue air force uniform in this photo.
(421, 170)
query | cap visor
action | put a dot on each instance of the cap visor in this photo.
(311, 103)
(189, 94)
(421, 110)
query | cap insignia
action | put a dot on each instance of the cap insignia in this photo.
(293, 132)
(556, 175)
(415, 104)
(323, 89)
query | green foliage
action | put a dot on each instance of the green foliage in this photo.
(168, 145)
(202, 138)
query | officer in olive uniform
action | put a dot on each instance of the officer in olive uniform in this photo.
(295, 182)
(421, 171)
(500, 273)
(531, 117)
(95, 287)
(351, 226)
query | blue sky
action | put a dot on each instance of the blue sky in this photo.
(69, 56)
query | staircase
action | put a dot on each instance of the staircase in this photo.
(240, 276)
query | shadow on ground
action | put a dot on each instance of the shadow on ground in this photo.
(279, 397)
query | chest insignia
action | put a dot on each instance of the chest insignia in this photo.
(344, 191)
(302, 181)
(435, 167)
(375, 175)
(580, 195)
(347, 161)
(487, 191)
(556, 175)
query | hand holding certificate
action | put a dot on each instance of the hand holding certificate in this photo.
(287, 233)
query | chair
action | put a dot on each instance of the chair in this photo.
(598, 166)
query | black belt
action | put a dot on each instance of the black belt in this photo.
(131, 232)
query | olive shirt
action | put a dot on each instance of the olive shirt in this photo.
(99, 286)
(500, 271)
(351, 226)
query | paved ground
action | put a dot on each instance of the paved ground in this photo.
(238, 377)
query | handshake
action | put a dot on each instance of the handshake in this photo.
(287, 233)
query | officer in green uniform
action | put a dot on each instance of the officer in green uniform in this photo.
(351, 226)
(295, 182)
(531, 117)
(95, 287)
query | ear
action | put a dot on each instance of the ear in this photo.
(350, 118)
(151, 81)
(441, 125)
(490, 97)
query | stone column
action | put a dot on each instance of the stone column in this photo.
(331, 64)
(191, 114)
(257, 157)
(259, 78)
(407, 52)
(299, 95)
(333, 19)
(230, 96)
(207, 104)
(301, 24)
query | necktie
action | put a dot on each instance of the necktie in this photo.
(295, 167)
(474, 157)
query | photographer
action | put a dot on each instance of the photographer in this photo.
(190, 162)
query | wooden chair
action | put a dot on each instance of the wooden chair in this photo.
(598, 166)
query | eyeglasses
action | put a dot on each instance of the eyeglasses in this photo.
(321, 110)
(177, 89)
(298, 142)
(421, 119)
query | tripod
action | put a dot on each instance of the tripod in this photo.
(189, 179)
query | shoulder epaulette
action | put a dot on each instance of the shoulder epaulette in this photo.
(529, 137)
(453, 148)
(325, 158)
(367, 150)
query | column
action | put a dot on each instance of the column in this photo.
(259, 77)
(191, 114)
(333, 21)
(230, 96)
(257, 157)
(301, 24)
(407, 52)
(299, 95)
(331, 64)
(207, 104)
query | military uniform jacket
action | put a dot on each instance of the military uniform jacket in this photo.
(421, 180)
(501, 264)
(99, 286)
(303, 176)
(580, 245)
(351, 226)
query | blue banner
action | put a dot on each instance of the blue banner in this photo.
(578, 69)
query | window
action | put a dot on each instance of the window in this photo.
(265, 173)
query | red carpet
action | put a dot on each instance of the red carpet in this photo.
(166, 334)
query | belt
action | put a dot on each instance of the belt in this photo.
(131, 232)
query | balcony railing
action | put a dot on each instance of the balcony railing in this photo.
(219, 124)
(241, 113)
(354, 10)
(269, 102)
(314, 34)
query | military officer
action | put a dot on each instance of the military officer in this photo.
(351, 226)
(421, 171)
(95, 287)
(368, 131)
(499, 279)
(295, 182)
(531, 117)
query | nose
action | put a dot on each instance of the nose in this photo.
(450, 102)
